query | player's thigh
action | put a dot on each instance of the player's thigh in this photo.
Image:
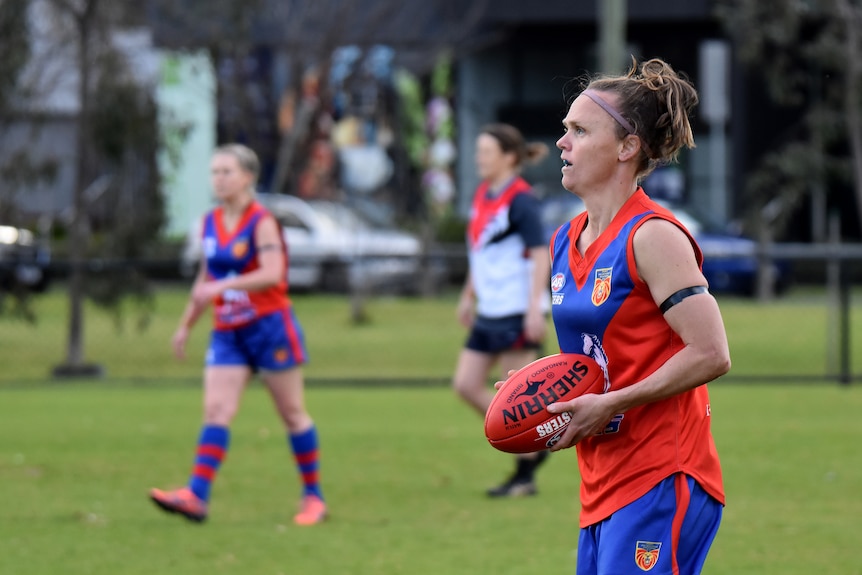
(515, 359)
(473, 369)
(223, 387)
(287, 389)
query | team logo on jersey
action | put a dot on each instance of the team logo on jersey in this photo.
(592, 346)
(646, 554)
(210, 246)
(557, 282)
(602, 286)
(280, 355)
(239, 248)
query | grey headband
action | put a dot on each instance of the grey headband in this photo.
(592, 95)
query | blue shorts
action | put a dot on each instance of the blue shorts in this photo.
(668, 531)
(499, 334)
(273, 342)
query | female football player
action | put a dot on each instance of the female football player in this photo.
(626, 278)
(504, 300)
(243, 276)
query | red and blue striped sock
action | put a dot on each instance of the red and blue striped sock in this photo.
(305, 451)
(212, 447)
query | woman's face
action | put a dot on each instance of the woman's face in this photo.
(491, 161)
(589, 145)
(228, 178)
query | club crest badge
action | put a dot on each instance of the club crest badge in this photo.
(602, 286)
(646, 554)
(239, 248)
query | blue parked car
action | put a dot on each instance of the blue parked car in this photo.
(730, 261)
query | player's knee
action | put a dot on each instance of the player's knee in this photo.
(220, 413)
(297, 420)
(463, 387)
(473, 392)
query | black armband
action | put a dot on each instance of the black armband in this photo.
(677, 297)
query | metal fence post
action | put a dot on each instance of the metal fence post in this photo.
(838, 286)
(844, 323)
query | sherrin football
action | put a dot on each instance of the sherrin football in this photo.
(517, 420)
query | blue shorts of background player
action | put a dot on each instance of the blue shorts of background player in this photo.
(668, 531)
(272, 342)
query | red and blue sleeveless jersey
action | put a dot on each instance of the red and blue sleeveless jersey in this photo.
(231, 253)
(602, 308)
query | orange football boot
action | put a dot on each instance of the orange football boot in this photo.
(312, 511)
(182, 501)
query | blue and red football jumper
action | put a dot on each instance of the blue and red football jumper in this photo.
(603, 308)
(231, 253)
(253, 328)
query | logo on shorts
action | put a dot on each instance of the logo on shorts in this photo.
(646, 554)
(602, 286)
(280, 355)
(239, 248)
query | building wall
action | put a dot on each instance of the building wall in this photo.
(186, 97)
(529, 79)
(482, 85)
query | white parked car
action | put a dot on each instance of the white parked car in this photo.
(333, 248)
(24, 260)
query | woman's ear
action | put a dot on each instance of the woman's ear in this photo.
(512, 159)
(631, 147)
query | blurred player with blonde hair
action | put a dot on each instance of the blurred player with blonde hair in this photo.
(243, 276)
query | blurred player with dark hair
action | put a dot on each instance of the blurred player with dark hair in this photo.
(504, 301)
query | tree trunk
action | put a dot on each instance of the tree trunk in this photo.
(75, 348)
(74, 364)
(852, 17)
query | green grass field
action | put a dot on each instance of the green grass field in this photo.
(404, 467)
(404, 339)
(404, 472)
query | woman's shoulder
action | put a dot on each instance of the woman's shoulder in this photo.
(526, 196)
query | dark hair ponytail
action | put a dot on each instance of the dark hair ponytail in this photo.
(512, 141)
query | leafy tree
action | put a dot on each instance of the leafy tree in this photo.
(116, 210)
(127, 219)
(810, 53)
(17, 168)
(14, 48)
(116, 127)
